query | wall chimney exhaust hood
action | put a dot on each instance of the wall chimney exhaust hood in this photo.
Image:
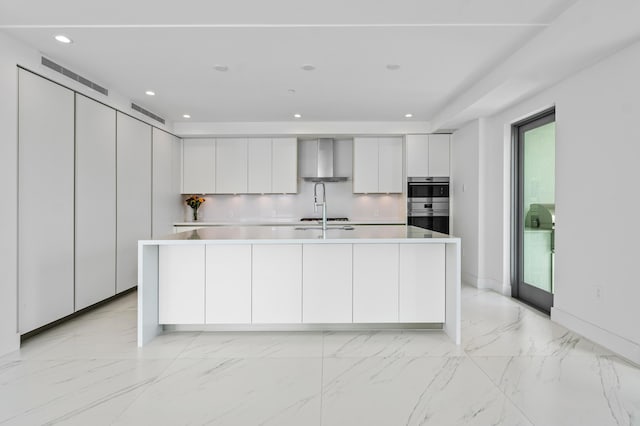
(324, 163)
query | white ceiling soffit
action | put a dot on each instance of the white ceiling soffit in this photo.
(588, 32)
(443, 49)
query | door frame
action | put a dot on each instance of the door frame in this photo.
(528, 294)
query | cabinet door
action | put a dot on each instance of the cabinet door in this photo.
(231, 166)
(45, 201)
(422, 282)
(439, 155)
(326, 283)
(228, 284)
(259, 165)
(365, 165)
(198, 166)
(284, 177)
(277, 284)
(168, 204)
(417, 155)
(181, 272)
(134, 196)
(95, 252)
(375, 283)
(390, 165)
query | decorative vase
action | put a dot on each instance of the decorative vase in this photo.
(195, 215)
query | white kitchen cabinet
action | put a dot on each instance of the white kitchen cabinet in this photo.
(326, 283)
(277, 284)
(428, 155)
(365, 165)
(284, 174)
(422, 283)
(417, 155)
(259, 165)
(95, 205)
(45, 201)
(390, 165)
(375, 283)
(133, 196)
(377, 165)
(228, 284)
(168, 204)
(198, 166)
(231, 166)
(181, 284)
(439, 155)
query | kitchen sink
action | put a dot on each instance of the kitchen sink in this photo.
(319, 228)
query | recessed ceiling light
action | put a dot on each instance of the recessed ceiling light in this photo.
(297, 115)
(186, 116)
(308, 67)
(63, 39)
(150, 93)
(393, 67)
(221, 68)
(408, 115)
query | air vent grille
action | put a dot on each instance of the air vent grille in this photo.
(72, 75)
(147, 113)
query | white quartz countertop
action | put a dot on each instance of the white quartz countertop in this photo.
(287, 222)
(305, 234)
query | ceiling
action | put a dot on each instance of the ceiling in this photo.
(443, 49)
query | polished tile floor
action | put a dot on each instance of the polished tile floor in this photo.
(515, 367)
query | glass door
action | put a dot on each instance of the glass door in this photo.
(533, 214)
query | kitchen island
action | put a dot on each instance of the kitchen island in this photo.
(299, 278)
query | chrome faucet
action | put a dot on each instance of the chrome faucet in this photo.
(323, 203)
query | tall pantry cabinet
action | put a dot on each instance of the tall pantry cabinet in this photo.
(91, 179)
(134, 196)
(45, 201)
(95, 194)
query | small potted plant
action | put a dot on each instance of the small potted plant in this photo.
(194, 202)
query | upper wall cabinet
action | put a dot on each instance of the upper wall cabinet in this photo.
(377, 165)
(284, 160)
(240, 166)
(231, 166)
(198, 166)
(428, 155)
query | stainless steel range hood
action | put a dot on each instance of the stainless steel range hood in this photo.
(324, 163)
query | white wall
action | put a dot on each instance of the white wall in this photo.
(464, 202)
(12, 54)
(597, 201)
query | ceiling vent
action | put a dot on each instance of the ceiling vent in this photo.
(147, 113)
(72, 75)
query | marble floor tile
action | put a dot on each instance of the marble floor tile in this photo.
(241, 391)
(360, 344)
(582, 391)
(72, 391)
(494, 325)
(514, 367)
(412, 391)
(255, 345)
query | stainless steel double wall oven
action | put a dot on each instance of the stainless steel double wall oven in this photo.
(428, 203)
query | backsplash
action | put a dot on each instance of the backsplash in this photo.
(341, 202)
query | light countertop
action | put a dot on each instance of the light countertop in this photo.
(305, 234)
(285, 222)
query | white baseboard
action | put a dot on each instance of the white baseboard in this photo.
(10, 344)
(621, 346)
(469, 279)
